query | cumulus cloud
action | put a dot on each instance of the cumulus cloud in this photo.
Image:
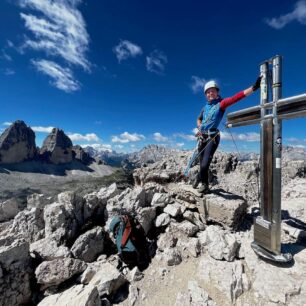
(42, 129)
(99, 146)
(187, 137)
(7, 123)
(126, 49)
(197, 84)
(249, 137)
(156, 62)
(62, 78)
(297, 14)
(159, 137)
(59, 30)
(127, 137)
(180, 144)
(87, 137)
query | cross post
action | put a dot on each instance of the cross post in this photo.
(267, 226)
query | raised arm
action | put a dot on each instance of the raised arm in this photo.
(240, 95)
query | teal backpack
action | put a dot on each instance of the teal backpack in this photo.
(122, 229)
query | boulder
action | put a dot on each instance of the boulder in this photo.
(219, 243)
(57, 147)
(195, 218)
(162, 220)
(17, 143)
(54, 272)
(15, 274)
(225, 277)
(37, 200)
(173, 209)
(28, 225)
(10, 208)
(106, 277)
(79, 295)
(194, 296)
(171, 257)
(145, 217)
(227, 210)
(90, 245)
(166, 240)
(161, 199)
(49, 249)
(186, 227)
(94, 207)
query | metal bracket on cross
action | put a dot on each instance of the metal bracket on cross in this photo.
(267, 226)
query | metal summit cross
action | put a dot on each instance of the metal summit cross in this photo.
(267, 226)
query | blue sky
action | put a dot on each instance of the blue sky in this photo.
(123, 74)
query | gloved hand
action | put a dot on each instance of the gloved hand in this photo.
(257, 83)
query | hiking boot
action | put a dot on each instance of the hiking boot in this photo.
(196, 183)
(203, 189)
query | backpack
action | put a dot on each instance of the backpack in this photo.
(130, 239)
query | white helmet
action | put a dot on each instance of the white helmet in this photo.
(211, 84)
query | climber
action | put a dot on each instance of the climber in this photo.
(208, 122)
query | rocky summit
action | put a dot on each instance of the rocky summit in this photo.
(58, 251)
(57, 147)
(17, 143)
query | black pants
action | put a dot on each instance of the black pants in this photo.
(210, 147)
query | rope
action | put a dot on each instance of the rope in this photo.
(241, 158)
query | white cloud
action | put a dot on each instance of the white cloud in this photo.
(7, 123)
(180, 144)
(126, 49)
(62, 77)
(58, 29)
(87, 137)
(298, 14)
(249, 137)
(159, 137)
(156, 62)
(9, 71)
(187, 137)
(119, 146)
(197, 84)
(127, 137)
(99, 146)
(42, 129)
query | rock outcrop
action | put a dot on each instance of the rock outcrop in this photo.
(17, 143)
(81, 155)
(57, 147)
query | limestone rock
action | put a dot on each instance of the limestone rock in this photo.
(128, 201)
(195, 296)
(225, 277)
(195, 218)
(88, 246)
(219, 243)
(28, 225)
(15, 274)
(145, 217)
(52, 273)
(186, 227)
(173, 209)
(79, 295)
(107, 279)
(37, 200)
(49, 249)
(166, 240)
(227, 210)
(162, 220)
(79, 154)
(274, 285)
(57, 147)
(17, 143)
(171, 256)
(10, 208)
(161, 199)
